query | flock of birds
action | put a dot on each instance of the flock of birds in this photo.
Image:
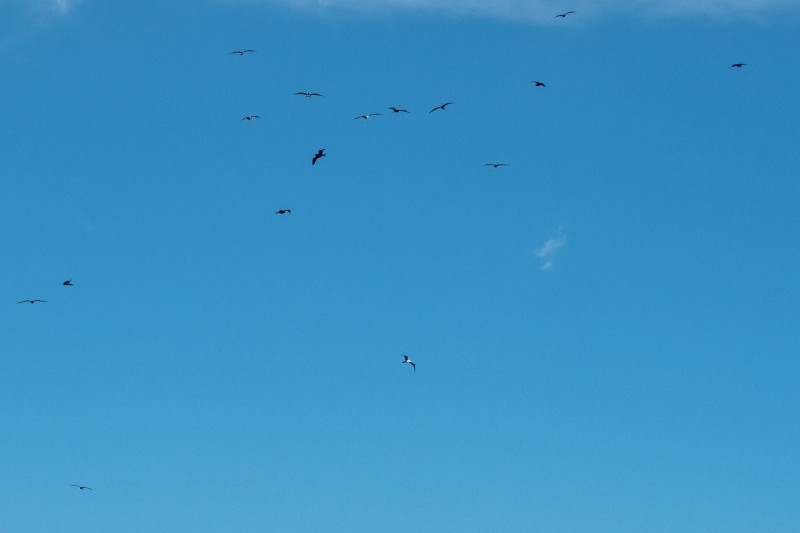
(321, 153)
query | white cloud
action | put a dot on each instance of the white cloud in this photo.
(38, 9)
(547, 253)
(64, 6)
(543, 11)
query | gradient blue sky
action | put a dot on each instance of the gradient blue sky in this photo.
(606, 332)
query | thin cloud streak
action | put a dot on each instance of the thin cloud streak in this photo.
(547, 253)
(37, 10)
(543, 11)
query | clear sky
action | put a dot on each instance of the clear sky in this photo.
(606, 331)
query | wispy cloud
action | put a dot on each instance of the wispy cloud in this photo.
(547, 253)
(543, 11)
(40, 8)
(64, 6)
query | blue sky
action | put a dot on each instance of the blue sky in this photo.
(606, 330)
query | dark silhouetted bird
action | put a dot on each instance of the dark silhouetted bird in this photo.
(409, 361)
(68, 283)
(320, 153)
(564, 15)
(538, 83)
(30, 301)
(283, 211)
(440, 107)
(399, 110)
(250, 117)
(309, 95)
(495, 165)
(82, 487)
(366, 117)
(241, 52)
(738, 65)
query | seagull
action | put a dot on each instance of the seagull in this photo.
(309, 95)
(82, 487)
(320, 153)
(366, 117)
(68, 283)
(250, 117)
(538, 83)
(399, 110)
(440, 107)
(30, 301)
(495, 165)
(283, 211)
(738, 65)
(563, 15)
(409, 361)
(241, 52)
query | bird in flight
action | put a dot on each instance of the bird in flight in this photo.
(538, 83)
(283, 211)
(30, 301)
(320, 153)
(68, 283)
(366, 117)
(738, 65)
(82, 487)
(396, 110)
(440, 107)
(563, 15)
(409, 361)
(309, 95)
(241, 52)
(495, 165)
(250, 117)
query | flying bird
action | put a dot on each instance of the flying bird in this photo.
(68, 283)
(409, 361)
(82, 487)
(241, 52)
(538, 83)
(283, 211)
(738, 65)
(399, 110)
(320, 153)
(30, 301)
(309, 95)
(440, 107)
(250, 117)
(366, 117)
(495, 165)
(563, 15)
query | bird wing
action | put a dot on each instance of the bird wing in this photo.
(413, 366)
